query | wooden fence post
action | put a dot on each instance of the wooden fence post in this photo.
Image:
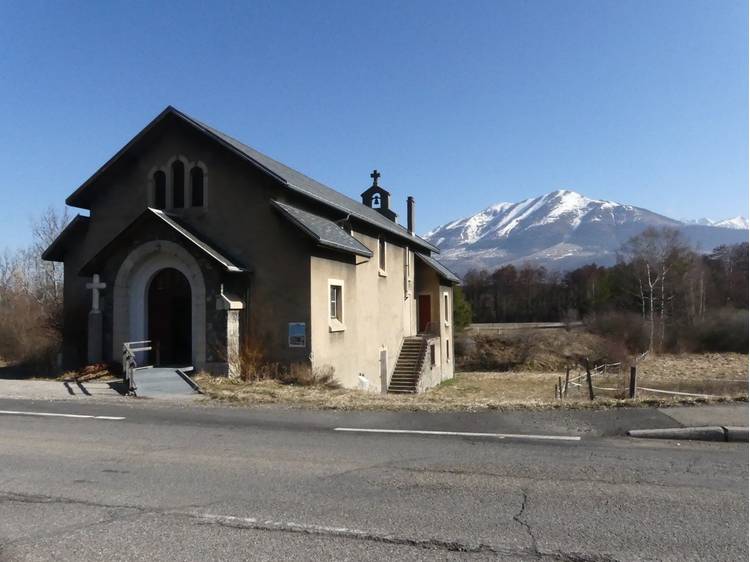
(567, 379)
(560, 386)
(588, 380)
(633, 376)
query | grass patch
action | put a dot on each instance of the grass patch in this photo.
(506, 390)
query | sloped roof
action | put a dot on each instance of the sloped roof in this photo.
(293, 179)
(205, 247)
(182, 230)
(56, 250)
(325, 232)
(439, 268)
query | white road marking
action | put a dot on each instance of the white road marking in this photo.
(56, 415)
(461, 434)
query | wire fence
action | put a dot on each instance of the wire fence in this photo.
(586, 381)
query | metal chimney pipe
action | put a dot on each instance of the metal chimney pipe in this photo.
(410, 214)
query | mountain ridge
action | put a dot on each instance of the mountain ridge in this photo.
(561, 230)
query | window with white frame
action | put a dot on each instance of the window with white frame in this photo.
(335, 305)
(446, 309)
(335, 308)
(382, 256)
(407, 268)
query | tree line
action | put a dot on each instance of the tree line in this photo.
(659, 291)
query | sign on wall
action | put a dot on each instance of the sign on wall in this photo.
(297, 337)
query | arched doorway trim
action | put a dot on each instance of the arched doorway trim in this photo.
(130, 294)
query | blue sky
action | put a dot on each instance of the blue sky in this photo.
(461, 104)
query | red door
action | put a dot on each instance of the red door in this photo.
(424, 313)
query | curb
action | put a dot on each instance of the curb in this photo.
(707, 433)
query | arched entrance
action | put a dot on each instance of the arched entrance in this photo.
(169, 317)
(131, 289)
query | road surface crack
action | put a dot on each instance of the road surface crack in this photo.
(192, 512)
(525, 524)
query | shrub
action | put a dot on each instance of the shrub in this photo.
(461, 310)
(626, 327)
(252, 365)
(303, 374)
(723, 330)
(27, 336)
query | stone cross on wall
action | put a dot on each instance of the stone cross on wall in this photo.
(95, 287)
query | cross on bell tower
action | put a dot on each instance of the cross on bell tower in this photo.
(378, 198)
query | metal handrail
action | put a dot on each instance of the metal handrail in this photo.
(129, 362)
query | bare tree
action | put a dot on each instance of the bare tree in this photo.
(659, 257)
(31, 293)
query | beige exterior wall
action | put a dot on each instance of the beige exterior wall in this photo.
(379, 311)
(428, 282)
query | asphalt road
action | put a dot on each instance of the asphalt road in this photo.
(191, 482)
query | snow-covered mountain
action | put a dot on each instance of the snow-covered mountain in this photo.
(739, 223)
(561, 230)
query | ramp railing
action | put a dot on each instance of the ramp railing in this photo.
(129, 362)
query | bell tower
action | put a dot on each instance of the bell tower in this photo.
(378, 198)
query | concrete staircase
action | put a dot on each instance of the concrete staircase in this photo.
(408, 366)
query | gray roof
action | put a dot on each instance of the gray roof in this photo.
(226, 262)
(441, 270)
(293, 179)
(327, 233)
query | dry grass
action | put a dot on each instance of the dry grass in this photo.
(506, 390)
(715, 374)
(97, 371)
(543, 350)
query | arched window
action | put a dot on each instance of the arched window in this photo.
(178, 184)
(376, 201)
(160, 189)
(196, 186)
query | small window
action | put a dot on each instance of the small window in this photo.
(446, 310)
(407, 258)
(178, 184)
(381, 255)
(160, 189)
(335, 310)
(196, 187)
(447, 350)
(432, 354)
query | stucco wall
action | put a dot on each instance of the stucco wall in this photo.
(428, 282)
(238, 220)
(378, 313)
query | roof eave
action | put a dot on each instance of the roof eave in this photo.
(54, 251)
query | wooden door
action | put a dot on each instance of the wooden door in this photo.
(424, 313)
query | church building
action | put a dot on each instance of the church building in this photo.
(209, 249)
